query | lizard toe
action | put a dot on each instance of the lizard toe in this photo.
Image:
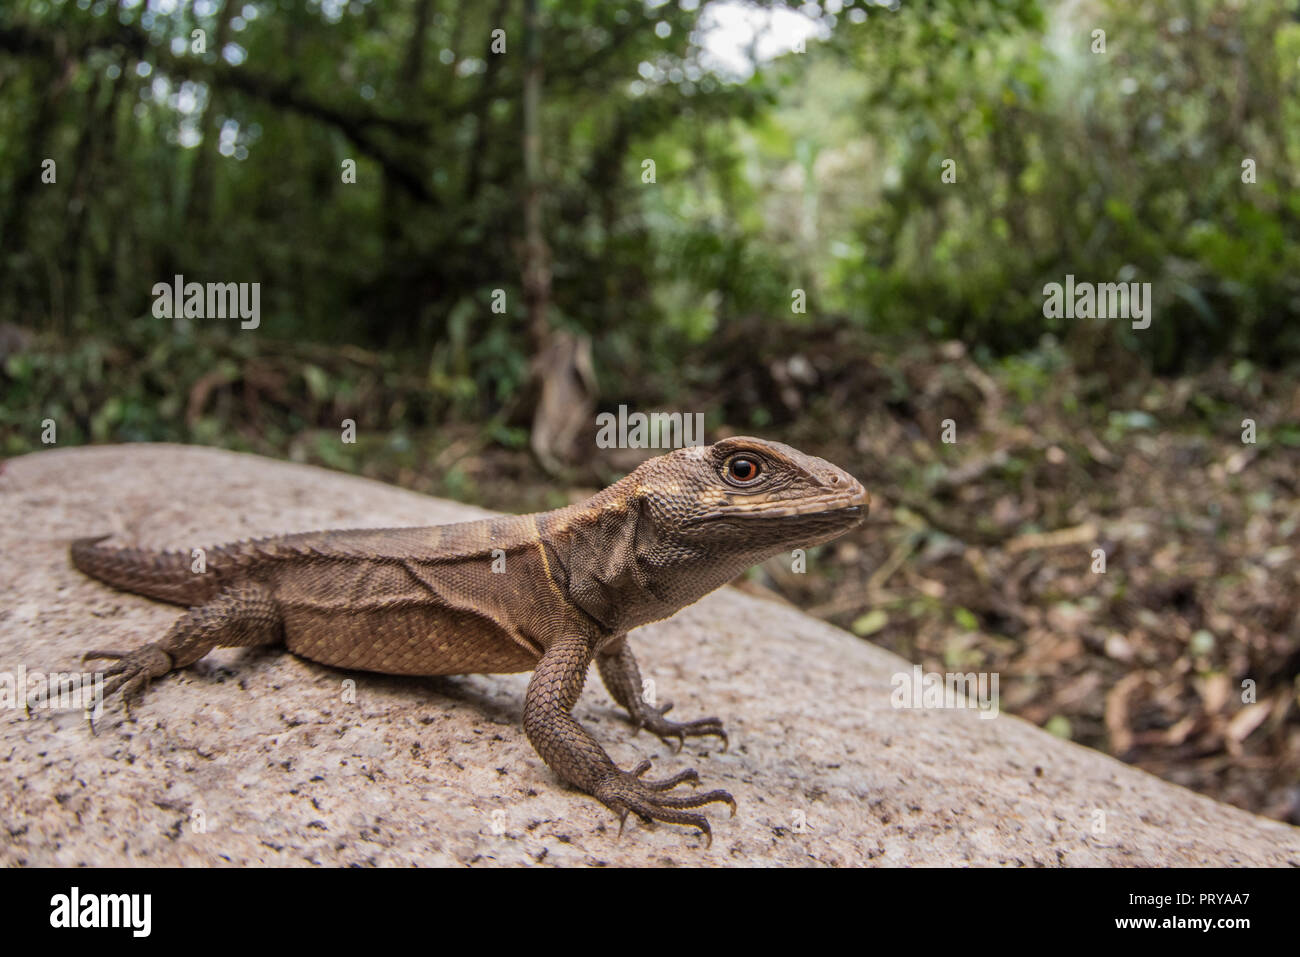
(690, 774)
(702, 727)
(638, 774)
(105, 655)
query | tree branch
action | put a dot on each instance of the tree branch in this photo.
(355, 125)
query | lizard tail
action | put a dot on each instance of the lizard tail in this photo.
(165, 576)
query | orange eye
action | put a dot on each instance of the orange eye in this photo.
(743, 470)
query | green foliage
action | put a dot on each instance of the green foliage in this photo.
(228, 165)
(203, 387)
(823, 172)
(1117, 166)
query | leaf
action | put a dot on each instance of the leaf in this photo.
(317, 382)
(870, 623)
(1059, 725)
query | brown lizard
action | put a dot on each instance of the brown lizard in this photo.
(570, 585)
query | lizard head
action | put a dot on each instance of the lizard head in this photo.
(709, 512)
(687, 522)
(749, 495)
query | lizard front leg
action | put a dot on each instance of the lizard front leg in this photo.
(240, 616)
(575, 756)
(622, 678)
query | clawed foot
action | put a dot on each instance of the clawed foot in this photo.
(132, 672)
(664, 729)
(625, 792)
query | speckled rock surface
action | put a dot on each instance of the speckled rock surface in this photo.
(257, 757)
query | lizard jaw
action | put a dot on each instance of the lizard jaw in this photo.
(854, 502)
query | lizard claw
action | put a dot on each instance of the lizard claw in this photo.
(625, 792)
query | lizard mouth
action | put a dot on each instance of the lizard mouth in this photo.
(851, 504)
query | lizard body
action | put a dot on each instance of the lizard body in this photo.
(568, 586)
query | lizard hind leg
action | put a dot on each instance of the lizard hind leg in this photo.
(240, 616)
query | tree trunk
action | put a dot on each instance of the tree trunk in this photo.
(537, 268)
(198, 210)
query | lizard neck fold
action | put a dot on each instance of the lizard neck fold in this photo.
(591, 551)
(614, 561)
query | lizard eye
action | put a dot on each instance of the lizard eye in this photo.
(742, 470)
